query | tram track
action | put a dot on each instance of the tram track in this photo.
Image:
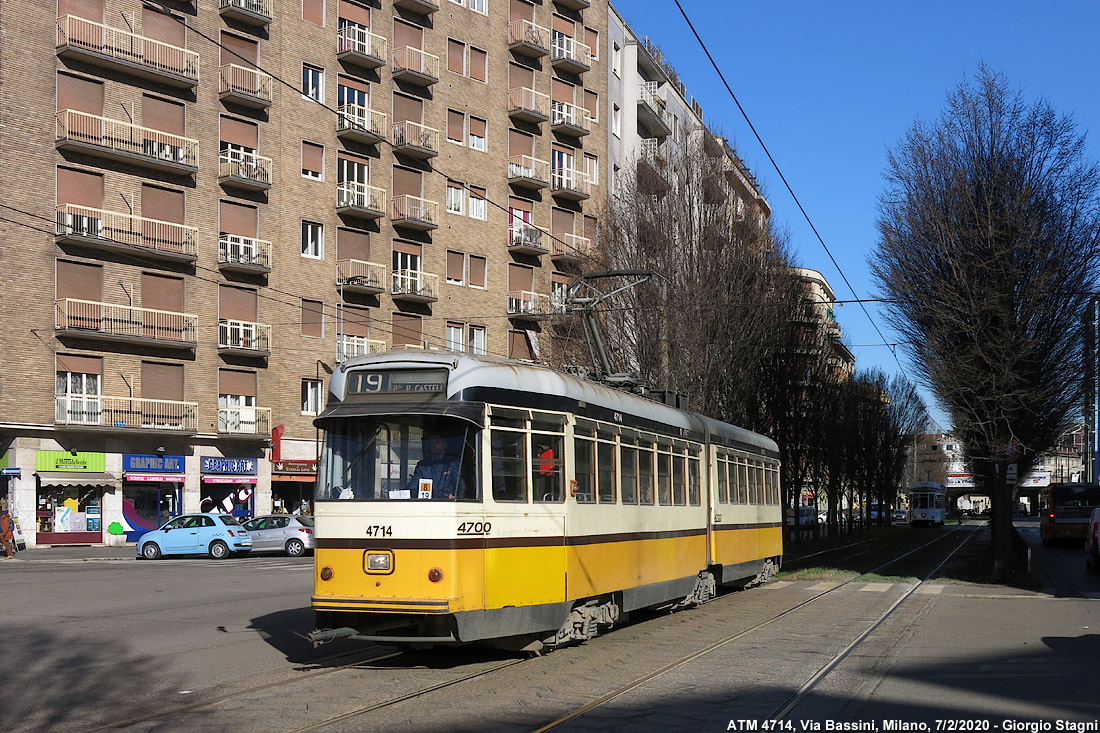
(414, 689)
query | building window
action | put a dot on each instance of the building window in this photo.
(616, 121)
(456, 56)
(479, 65)
(314, 11)
(616, 60)
(456, 198)
(592, 40)
(456, 127)
(312, 396)
(613, 184)
(456, 337)
(480, 6)
(477, 271)
(313, 318)
(313, 161)
(592, 105)
(80, 403)
(478, 134)
(313, 83)
(456, 267)
(592, 168)
(313, 240)
(475, 340)
(478, 207)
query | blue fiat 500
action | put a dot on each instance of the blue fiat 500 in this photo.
(217, 535)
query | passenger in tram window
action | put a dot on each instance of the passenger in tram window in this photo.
(437, 476)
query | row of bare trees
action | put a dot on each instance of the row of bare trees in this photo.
(725, 319)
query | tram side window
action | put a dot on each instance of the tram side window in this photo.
(678, 479)
(723, 480)
(773, 486)
(605, 471)
(693, 478)
(547, 476)
(664, 475)
(645, 473)
(509, 465)
(585, 471)
(628, 458)
(742, 481)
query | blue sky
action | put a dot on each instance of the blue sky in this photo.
(830, 85)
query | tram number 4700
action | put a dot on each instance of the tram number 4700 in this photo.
(475, 527)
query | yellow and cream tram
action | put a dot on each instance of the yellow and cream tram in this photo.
(471, 499)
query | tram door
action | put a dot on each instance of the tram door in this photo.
(525, 517)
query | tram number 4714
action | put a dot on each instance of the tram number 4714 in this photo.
(379, 530)
(475, 527)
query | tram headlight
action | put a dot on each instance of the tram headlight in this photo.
(379, 562)
(326, 573)
(435, 575)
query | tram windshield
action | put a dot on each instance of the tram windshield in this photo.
(399, 457)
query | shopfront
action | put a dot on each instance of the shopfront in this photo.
(152, 487)
(292, 484)
(229, 485)
(70, 490)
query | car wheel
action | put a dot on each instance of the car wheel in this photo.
(295, 548)
(219, 550)
(150, 551)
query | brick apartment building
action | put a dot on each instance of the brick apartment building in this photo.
(205, 211)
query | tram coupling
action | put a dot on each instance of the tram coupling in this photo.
(324, 636)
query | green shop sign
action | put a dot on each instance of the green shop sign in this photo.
(76, 462)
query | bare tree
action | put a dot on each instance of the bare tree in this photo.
(987, 251)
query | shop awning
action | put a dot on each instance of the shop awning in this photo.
(65, 478)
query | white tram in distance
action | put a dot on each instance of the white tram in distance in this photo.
(470, 499)
(926, 504)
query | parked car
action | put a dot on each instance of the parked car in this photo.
(289, 533)
(900, 515)
(217, 535)
(1092, 543)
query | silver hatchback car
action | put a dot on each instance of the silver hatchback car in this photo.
(289, 533)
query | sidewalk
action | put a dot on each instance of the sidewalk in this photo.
(79, 552)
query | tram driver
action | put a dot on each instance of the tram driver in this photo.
(438, 474)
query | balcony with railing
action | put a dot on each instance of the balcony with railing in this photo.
(415, 140)
(112, 230)
(571, 248)
(244, 169)
(245, 421)
(528, 39)
(422, 7)
(414, 212)
(528, 172)
(575, 4)
(526, 238)
(361, 124)
(528, 306)
(248, 12)
(243, 338)
(651, 110)
(125, 413)
(359, 276)
(415, 286)
(360, 199)
(349, 347)
(415, 66)
(358, 45)
(571, 184)
(569, 119)
(570, 55)
(110, 322)
(528, 105)
(653, 173)
(244, 87)
(114, 48)
(123, 141)
(243, 254)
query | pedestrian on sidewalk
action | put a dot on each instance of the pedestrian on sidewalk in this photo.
(7, 533)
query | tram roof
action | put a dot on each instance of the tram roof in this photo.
(470, 373)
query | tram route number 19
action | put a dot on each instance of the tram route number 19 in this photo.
(475, 527)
